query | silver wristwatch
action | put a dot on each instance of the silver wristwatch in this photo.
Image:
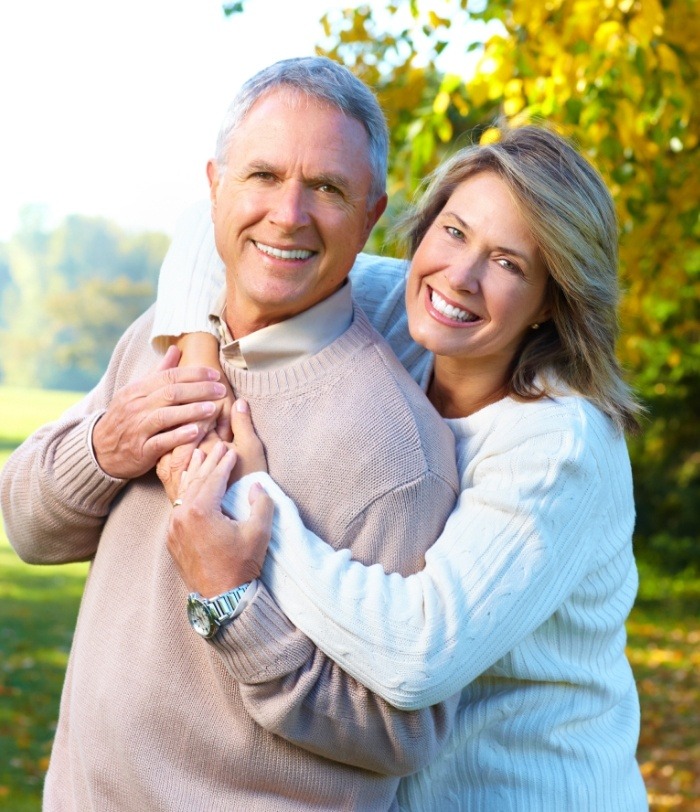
(208, 615)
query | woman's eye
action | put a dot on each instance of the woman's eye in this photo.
(454, 232)
(510, 266)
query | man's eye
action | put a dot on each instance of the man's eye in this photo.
(329, 189)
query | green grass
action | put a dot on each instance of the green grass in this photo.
(39, 606)
(37, 615)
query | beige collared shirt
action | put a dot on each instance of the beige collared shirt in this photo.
(288, 341)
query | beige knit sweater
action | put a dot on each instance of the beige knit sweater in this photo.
(155, 718)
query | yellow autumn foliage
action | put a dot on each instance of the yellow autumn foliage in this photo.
(622, 79)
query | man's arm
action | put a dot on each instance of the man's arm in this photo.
(57, 488)
(288, 685)
(292, 689)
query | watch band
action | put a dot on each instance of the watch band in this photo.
(208, 615)
(222, 607)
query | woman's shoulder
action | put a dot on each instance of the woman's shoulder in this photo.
(562, 424)
(370, 270)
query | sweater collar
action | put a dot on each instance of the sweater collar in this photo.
(288, 341)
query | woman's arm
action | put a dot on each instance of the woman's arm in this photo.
(191, 276)
(518, 542)
(287, 685)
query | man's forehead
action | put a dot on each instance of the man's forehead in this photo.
(285, 124)
(293, 98)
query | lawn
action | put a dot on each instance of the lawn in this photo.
(39, 606)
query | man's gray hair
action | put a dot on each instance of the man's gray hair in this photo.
(331, 83)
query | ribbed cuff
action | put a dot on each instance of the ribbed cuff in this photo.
(78, 476)
(261, 644)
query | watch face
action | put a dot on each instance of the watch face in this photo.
(199, 617)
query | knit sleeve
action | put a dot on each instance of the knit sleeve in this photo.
(54, 496)
(517, 543)
(379, 288)
(292, 689)
(191, 276)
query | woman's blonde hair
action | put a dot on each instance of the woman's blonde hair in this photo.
(571, 216)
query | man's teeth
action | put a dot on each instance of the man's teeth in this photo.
(449, 310)
(279, 253)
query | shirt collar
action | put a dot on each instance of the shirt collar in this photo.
(288, 341)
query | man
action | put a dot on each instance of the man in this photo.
(153, 717)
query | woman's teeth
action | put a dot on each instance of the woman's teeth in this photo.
(449, 310)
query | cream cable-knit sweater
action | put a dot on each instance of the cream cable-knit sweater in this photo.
(523, 598)
(155, 718)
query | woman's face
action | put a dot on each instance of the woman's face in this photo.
(477, 281)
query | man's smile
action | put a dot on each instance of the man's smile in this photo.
(283, 253)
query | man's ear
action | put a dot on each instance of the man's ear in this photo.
(373, 214)
(214, 178)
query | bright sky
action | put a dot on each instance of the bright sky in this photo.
(112, 108)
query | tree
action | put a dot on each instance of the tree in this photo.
(73, 290)
(621, 79)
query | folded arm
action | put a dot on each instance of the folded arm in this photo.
(287, 684)
(57, 488)
(517, 543)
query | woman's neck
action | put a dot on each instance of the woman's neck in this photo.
(458, 389)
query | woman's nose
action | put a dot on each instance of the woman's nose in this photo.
(465, 274)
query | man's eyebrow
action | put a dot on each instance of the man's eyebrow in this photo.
(261, 166)
(342, 182)
(330, 179)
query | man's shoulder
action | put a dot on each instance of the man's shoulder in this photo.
(391, 415)
(133, 355)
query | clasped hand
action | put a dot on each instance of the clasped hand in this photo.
(170, 407)
(212, 552)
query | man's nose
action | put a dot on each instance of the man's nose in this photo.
(290, 208)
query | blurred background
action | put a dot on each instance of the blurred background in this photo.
(110, 112)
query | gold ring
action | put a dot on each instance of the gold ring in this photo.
(177, 502)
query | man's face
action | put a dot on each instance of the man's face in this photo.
(291, 209)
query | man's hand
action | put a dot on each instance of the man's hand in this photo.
(212, 552)
(150, 417)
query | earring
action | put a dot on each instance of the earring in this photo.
(535, 326)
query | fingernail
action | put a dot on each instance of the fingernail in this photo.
(255, 490)
(207, 407)
(242, 405)
(219, 390)
(213, 374)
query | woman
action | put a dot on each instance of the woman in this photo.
(512, 293)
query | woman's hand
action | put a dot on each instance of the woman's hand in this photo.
(249, 449)
(212, 552)
(250, 452)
